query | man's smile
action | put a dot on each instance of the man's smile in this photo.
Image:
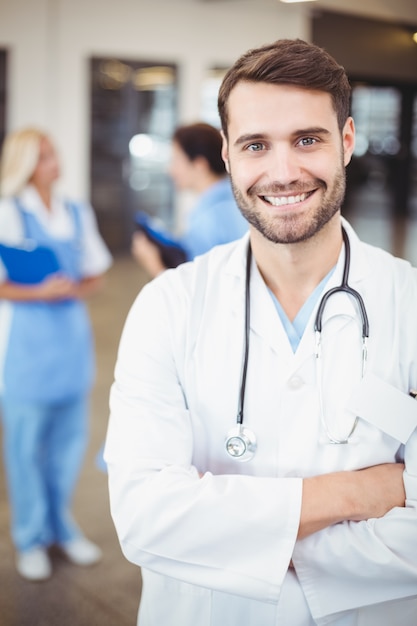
(285, 200)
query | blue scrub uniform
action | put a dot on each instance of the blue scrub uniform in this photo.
(214, 220)
(48, 372)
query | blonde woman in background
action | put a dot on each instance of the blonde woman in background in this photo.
(46, 354)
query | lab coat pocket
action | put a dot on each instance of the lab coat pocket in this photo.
(384, 406)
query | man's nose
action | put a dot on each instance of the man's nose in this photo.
(284, 166)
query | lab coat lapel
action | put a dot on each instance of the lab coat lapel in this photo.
(264, 319)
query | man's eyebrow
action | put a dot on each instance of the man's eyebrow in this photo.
(249, 137)
(313, 130)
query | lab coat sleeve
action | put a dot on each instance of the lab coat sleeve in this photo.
(231, 533)
(356, 564)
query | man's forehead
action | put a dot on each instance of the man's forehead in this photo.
(261, 90)
(252, 102)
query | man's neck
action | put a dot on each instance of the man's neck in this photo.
(293, 271)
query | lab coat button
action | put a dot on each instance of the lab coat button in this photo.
(295, 382)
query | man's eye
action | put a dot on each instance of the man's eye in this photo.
(307, 141)
(255, 147)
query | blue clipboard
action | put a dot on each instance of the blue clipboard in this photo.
(144, 222)
(172, 253)
(29, 264)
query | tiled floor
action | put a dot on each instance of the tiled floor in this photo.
(108, 593)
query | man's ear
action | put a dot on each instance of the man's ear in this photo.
(348, 138)
(225, 152)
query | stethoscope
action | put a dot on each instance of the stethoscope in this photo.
(241, 441)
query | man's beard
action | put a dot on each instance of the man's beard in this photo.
(292, 228)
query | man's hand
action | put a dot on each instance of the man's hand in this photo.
(359, 495)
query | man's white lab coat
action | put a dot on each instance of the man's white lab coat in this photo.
(216, 550)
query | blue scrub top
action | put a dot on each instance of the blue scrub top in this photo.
(50, 356)
(214, 220)
(295, 329)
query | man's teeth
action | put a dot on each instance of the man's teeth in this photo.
(282, 200)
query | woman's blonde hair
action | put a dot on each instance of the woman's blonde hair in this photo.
(20, 156)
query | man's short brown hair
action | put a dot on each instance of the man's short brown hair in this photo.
(289, 62)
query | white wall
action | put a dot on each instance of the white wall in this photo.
(51, 41)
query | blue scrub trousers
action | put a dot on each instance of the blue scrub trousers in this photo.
(44, 446)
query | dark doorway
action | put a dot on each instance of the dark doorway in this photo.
(383, 171)
(133, 116)
(381, 62)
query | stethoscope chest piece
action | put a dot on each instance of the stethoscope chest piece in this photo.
(240, 443)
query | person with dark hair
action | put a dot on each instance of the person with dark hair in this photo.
(197, 166)
(262, 442)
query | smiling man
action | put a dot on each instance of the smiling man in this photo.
(262, 444)
(285, 162)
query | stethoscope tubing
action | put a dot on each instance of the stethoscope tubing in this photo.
(244, 439)
(239, 419)
(344, 286)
